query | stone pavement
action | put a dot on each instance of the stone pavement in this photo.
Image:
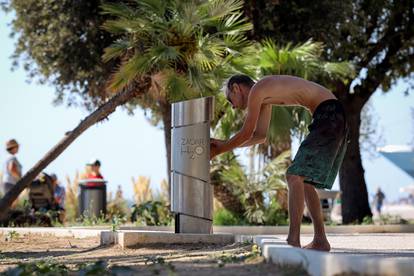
(386, 245)
(367, 254)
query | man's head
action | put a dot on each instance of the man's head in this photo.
(238, 89)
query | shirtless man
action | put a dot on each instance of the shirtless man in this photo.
(319, 156)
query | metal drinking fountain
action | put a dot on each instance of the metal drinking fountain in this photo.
(191, 191)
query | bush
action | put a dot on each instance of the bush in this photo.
(116, 207)
(275, 214)
(225, 217)
(152, 213)
(51, 267)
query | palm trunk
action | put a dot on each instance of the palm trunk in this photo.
(166, 119)
(224, 195)
(228, 200)
(354, 198)
(98, 115)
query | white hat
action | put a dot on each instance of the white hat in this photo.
(94, 162)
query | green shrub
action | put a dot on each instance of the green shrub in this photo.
(367, 220)
(274, 214)
(43, 267)
(117, 207)
(225, 217)
(87, 219)
(152, 213)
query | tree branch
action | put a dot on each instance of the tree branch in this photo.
(132, 91)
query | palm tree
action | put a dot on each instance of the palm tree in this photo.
(167, 50)
(185, 46)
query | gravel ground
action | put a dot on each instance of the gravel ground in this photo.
(198, 259)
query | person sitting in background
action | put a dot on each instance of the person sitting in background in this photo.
(59, 196)
(59, 192)
(12, 170)
(94, 174)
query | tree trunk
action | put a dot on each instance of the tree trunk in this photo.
(166, 119)
(354, 197)
(98, 115)
(228, 200)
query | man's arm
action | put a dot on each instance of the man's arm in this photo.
(262, 126)
(246, 132)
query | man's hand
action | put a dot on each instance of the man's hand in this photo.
(216, 147)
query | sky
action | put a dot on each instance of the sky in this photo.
(129, 146)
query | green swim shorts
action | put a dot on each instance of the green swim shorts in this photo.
(321, 154)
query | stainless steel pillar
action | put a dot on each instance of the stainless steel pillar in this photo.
(191, 191)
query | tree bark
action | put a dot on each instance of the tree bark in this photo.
(228, 200)
(354, 197)
(98, 115)
(166, 119)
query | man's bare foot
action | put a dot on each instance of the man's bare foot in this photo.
(322, 245)
(293, 243)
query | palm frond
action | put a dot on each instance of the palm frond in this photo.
(341, 70)
(122, 25)
(307, 51)
(116, 49)
(189, 13)
(235, 174)
(210, 52)
(281, 124)
(178, 88)
(121, 10)
(129, 70)
(216, 9)
(234, 24)
(157, 7)
(275, 171)
(163, 55)
(235, 43)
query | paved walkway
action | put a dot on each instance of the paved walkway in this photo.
(386, 245)
(352, 254)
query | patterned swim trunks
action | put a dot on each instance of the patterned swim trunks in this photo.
(321, 154)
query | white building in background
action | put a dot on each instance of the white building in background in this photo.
(402, 156)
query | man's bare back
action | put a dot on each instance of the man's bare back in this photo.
(290, 90)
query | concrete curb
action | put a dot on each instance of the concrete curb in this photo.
(134, 238)
(277, 251)
(305, 229)
(308, 229)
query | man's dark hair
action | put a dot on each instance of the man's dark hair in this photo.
(240, 79)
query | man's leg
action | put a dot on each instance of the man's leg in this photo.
(320, 242)
(296, 204)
